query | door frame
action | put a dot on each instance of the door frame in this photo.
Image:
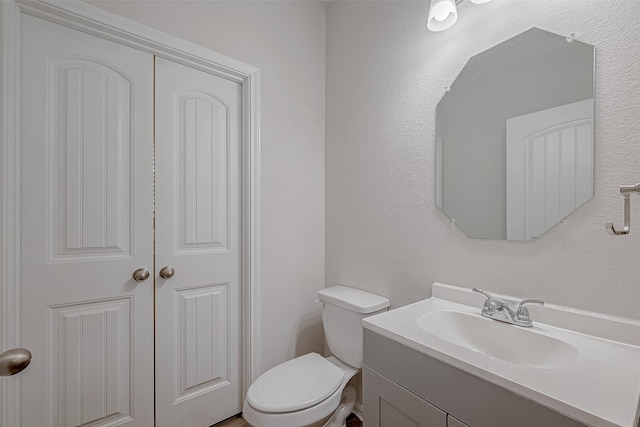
(98, 22)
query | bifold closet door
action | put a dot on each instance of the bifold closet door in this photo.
(86, 216)
(198, 246)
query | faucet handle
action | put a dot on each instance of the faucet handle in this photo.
(490, 305)
(486, 294)
(522, 314)
(521, 305)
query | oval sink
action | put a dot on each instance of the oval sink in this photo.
(499, 340)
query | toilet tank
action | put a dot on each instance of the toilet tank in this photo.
(343, 309)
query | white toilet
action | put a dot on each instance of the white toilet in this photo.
(311, 390)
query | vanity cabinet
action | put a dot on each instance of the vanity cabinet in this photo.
(403, 387)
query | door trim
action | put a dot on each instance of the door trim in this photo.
(95, 21)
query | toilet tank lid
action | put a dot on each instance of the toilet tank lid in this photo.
(353, 299)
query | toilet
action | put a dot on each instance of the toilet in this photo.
(310, 390)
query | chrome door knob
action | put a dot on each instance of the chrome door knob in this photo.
(167, 272)
(140, 275)
(13, 361)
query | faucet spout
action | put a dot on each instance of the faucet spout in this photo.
(502, 311)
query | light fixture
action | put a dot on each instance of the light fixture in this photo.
(444, 13)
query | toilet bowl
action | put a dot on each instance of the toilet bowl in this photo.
(302, 392)
(311, 390)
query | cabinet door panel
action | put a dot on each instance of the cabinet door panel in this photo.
(386, 404)
(453, 422)
(430, 416)
(392, 416)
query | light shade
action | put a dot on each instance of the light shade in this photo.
(442, 15)
(480, 1)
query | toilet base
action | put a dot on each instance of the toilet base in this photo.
(321, 423)
(348, 400)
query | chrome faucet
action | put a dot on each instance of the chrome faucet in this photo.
(500, 310)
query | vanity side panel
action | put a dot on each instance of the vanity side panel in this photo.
(468, 398)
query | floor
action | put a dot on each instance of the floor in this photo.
(237, 421)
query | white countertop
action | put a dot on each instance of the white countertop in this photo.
(600, 387)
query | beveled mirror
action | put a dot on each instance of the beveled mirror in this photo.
(514, 137)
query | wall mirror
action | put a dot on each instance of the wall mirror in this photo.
(514, 137)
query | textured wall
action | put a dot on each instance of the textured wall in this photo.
(385, 75)
(286, 40)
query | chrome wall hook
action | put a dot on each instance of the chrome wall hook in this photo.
(627, 220)
(626, 191)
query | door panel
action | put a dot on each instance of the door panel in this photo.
(92, 355)
(202, 177)
(86, 225)
(549, 167)
(201, 339)
(198, 131)
(89, 160)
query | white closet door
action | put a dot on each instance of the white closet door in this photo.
(86, 225)
(198, 310)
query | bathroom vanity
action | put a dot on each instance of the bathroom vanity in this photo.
(439, 363)
(403, 387)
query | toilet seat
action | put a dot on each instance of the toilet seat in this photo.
(304, 417)
(295, 385)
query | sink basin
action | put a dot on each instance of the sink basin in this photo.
(499, 340)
